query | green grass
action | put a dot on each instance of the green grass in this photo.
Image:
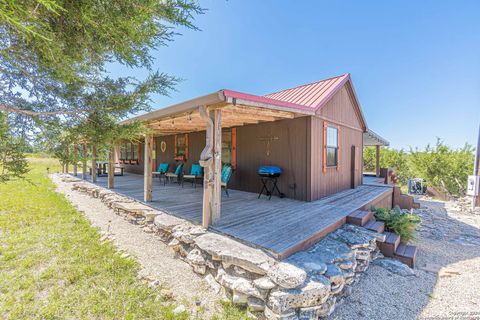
(54, 266)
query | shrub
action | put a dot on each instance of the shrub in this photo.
(402, 223)
(443, 167)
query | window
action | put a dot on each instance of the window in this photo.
(129, 152)
(331, 147)
(227, 146)
(229, 138)
(181, 147)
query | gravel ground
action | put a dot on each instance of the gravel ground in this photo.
(447, 276)
(156, 259)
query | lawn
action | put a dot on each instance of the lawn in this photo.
(54, 266)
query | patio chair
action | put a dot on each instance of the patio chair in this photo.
(161, 172)
(226, 174)
(177, 174)
(196, 172)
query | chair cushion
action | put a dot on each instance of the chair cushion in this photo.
(226, 172)
(179, 169)
(196, 170)
(163, 167)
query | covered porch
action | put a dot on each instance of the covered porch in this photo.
(280, 226)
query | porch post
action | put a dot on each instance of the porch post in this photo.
(206, 161)
(147, 171)
(377, 160)
(84, 161)
(111, 167)
(75, 160)
(94, 163)
(217, 151)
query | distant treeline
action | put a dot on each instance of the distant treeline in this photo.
(441, 166)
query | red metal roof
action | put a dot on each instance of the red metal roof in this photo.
(313, 95)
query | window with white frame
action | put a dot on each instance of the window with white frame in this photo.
(332, 147)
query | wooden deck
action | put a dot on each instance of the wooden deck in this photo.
(282, 226)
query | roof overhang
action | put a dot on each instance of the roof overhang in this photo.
(237, 109)
(371, 138)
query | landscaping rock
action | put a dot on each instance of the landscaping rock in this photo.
(335, 274)
(395, 266)
(232, 252)
(287, 315)
(166, 222)
(313, 293)
(264, 283)
(287, 275)
(256, 305)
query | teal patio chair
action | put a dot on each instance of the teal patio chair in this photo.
(196, 172)
(161, 172)
(177, 174)
(226, 174)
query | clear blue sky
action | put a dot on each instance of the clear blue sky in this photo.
(415, 64)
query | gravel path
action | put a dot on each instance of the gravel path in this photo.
(156, 259)
(447, 277)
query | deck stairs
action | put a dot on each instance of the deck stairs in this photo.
(392, 246)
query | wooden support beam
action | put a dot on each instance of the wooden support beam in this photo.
(111, 168)
(84, 162)
(206, 161)
(377, 160)
(94, 163)
(261, 111)
(217, 165)
(147, 171)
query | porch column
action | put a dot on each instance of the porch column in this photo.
(75, 160)
(211, 161)
(217, 182)
(377, 160)
(206, 161)
(147, 171)
(94, 163)
(84, 161)
(111, 168)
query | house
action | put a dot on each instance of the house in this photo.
(315, 133)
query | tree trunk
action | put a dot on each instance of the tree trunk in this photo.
(84, 162)
(94, 163)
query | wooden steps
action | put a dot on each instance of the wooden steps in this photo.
(407, 254)
(392, 246)
(360, 217)
(376, 226)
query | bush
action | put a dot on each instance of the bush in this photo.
(403, 224)
(388, 158)
(440, 166)
(445, 168)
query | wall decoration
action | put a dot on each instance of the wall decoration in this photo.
(163, 146)
(268, 139)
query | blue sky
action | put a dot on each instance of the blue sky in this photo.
(415, 65)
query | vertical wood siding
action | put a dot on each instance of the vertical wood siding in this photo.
(324, 182)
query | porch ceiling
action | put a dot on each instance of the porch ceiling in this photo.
(232, 116)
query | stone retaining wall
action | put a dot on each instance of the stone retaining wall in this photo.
(305, 286)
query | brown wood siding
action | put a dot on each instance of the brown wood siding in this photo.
(289, 152)
(341, 111)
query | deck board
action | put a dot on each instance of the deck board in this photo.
(277, 224)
